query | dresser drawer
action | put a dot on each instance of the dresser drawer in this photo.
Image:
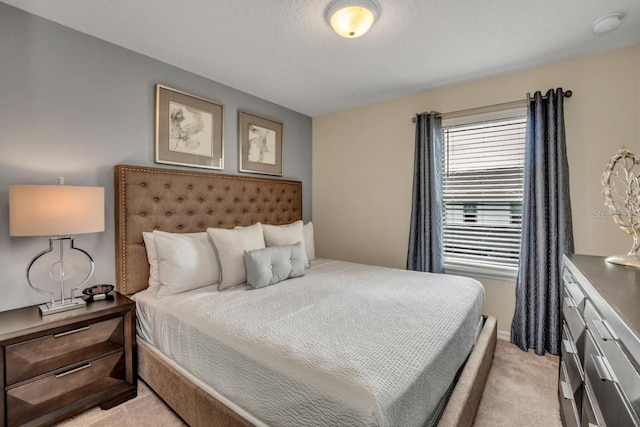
(572, 362)
(572, 317)
(627, 376)
(48, 353)
(590, 413)
(590, 312)
(616, 410)
(567, 401)
(32, 400)
(571, 285)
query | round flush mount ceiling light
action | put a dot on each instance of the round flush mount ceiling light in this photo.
(352, 18)
(607, 23)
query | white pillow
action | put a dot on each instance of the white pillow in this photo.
(185, 262)
(309, 244)
(230, 246)
(285, 235)
(152, 257)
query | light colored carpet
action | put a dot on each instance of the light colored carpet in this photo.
(146, 410)
(521, 390)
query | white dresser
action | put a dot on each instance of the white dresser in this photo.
(599, 378)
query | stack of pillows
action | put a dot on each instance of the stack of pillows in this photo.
(258, 255)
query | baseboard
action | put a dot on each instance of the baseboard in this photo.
(504, 335)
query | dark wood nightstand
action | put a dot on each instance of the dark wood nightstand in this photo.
(60, 365)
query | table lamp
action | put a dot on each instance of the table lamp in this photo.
(59, 211)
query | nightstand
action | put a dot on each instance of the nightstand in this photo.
(63, 364)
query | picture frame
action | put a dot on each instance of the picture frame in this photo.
(189, 129)
(260, 144)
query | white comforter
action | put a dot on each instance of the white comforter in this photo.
(347, 344)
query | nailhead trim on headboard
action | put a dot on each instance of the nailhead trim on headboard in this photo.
(182, 201)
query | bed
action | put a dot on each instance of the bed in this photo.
(340, 347)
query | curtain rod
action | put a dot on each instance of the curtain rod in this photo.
(503, 105)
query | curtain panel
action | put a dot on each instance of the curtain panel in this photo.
(547, 231)
(425, 236)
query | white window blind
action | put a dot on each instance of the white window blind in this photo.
(483, 162)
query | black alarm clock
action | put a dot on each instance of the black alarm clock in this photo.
(98, 292)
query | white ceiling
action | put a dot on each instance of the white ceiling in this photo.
(284, 51)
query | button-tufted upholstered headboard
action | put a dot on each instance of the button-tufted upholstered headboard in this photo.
(182, 201)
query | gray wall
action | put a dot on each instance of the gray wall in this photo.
(72, 105)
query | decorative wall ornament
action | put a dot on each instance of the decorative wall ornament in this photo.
(621, 188)
(188, 130)
(259, 144)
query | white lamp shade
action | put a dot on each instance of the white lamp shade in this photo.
(55, 210)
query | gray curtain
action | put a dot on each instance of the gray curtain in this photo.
(425, 237)
(546, 227)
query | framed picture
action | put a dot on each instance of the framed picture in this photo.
(259, 144)
(188, 130)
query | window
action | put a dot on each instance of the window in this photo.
(483, 162)
(470, 212)
(516, 213)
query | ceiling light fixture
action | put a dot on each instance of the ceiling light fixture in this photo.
(607, 23)
(352, 18)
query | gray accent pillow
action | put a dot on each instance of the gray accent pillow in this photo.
(275, 264)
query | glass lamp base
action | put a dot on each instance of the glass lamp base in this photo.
(626, 260)
(58, 307)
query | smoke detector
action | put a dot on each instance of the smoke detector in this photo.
(607, 23)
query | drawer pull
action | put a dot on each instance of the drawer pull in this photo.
(568, 277)
(62, 334)
(569, 347)
(566, 390)
(64, 374)
(601, 368)
(570, 302)
(604, 330)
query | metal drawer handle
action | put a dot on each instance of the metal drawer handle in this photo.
(601, 368)
(568, 277)
(570, 302)
(604, 330)
(569, 347)
(62, 334)
(64, 374)
(566, 390)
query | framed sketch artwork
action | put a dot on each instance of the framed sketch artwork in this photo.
(188, 130)
(260, 144)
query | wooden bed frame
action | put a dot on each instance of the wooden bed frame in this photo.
(182, 201)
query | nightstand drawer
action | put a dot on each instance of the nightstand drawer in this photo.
(35, 399)
(79, 342)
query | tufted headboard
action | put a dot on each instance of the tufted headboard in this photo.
(182, 201)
